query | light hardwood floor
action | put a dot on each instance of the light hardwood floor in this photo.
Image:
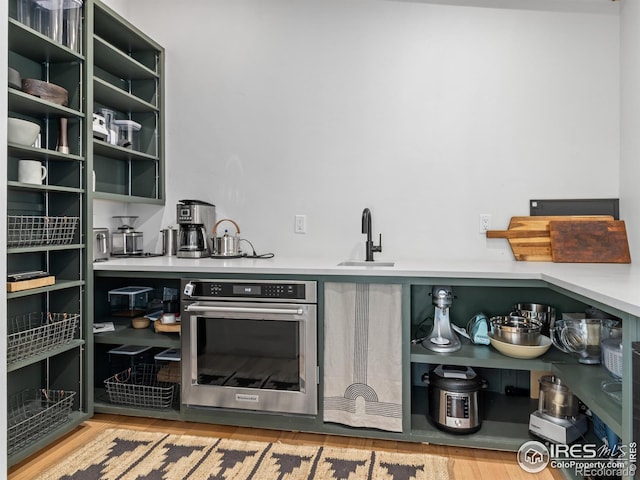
(466, 462)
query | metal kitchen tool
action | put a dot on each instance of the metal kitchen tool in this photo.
(535, 311)
(101, 244)
(516, 330)
(169, 241)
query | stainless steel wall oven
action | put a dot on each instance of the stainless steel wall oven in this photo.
(250, 344)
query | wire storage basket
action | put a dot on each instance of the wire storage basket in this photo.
(139, 387)
(35, 231)
(34, 413)
(36, 333)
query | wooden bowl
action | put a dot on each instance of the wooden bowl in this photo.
(45, 90)
(140, 322)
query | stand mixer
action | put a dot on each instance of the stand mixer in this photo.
(442, 338)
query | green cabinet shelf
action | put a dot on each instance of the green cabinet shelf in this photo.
(126, 81)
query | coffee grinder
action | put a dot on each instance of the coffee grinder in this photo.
(442, 338)
(195, 227)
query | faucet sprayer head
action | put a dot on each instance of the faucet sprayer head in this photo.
(366, 221)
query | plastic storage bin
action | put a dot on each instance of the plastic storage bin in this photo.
(128, 356)
(127, 133)
(168, 364)
(130, 301)
(166, 300)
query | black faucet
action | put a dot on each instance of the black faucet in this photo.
(366, 228)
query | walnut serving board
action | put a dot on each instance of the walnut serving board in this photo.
(529, 236)
(589, 242)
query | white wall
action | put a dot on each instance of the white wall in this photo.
(630, 145)
(430, 114)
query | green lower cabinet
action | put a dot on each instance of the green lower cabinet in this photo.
(510, 389)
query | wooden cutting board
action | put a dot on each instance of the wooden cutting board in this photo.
(29, 284)
(589, 242)
(529, 237)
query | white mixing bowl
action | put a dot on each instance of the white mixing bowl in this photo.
(22, 132)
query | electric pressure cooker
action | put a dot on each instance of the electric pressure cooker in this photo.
(454, 399)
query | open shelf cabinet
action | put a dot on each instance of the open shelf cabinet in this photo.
(47, 335)
(111, 65)
(126, 76)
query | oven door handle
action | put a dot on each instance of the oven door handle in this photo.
(194, 307)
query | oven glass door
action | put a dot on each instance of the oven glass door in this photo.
(262, 354)
(251, 356)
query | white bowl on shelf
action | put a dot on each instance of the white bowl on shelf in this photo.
(22, 132)
(522, 351)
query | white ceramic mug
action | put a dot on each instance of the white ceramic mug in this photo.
(31, 171)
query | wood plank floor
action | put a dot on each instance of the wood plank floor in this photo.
(466, 462)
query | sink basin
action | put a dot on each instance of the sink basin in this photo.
(363, 263)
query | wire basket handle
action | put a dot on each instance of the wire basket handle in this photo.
(125, 380)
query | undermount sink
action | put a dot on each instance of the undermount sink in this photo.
(363, 263)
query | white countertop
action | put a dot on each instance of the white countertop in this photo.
(616, 285)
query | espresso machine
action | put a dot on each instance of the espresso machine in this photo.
(442, 338)
(195, 228)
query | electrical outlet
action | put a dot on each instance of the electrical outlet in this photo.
(300, 224)
(485, 222)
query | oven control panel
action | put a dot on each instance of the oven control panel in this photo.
(266, 290)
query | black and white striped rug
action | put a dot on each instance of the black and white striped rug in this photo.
(119, 454)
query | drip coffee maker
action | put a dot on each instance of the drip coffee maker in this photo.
(195, 226)
(442, 338)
